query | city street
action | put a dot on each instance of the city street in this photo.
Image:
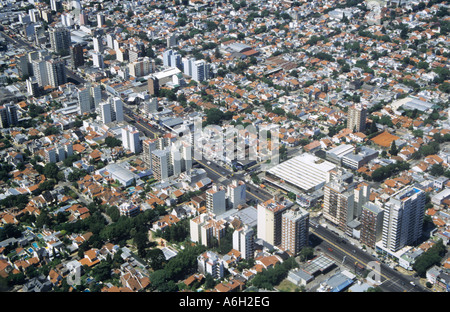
(351, 256)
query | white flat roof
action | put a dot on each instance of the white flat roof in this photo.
(305, 171)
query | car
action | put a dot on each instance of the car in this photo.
(329, 249)
(412, 283)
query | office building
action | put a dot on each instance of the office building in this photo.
(357, 118)
(371, 224)
(76, 56)
(236, 193)
(131, 140)
(269, 218)
(295, 230)
(403, 218)
(8, 115)
(60, 40)
(215, 199)
(244, 241)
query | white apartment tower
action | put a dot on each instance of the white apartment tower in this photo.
(244, 241)
(215, 200)
(200, 71)
(97, 60)
(236, 193)
(403, 218)
(98, 44)
(130, 139)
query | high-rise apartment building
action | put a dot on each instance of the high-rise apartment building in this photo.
(105, 112)
(200, 71)
(111, 110)
(338, 204)
(215, 199)
(403, 218)
(40, 72)
(161, 165)
(96, 95)
(56, 72)
(76, 56)
(205, 227)
(148, 146)
(236, 193)
(343, 199)
(97, 60)
(98, 44)
(100, 20)
(153, 86)
(371, 224)
(269, 220)
(244, 241)
(60, 40)
(357, 118)
(295, 230)
(56, 5)
(141, 67)
(172, 58)
(84, 100)
(8, 115)
(131, 140)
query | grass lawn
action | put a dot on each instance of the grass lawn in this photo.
(287, 286)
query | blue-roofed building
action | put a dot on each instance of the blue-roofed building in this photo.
(338, 282)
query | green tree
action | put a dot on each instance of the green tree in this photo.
(51, 171)
(429, 258)
(394, 150)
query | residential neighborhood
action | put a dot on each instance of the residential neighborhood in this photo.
(224, 146)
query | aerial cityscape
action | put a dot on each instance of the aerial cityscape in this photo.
(225, 146)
